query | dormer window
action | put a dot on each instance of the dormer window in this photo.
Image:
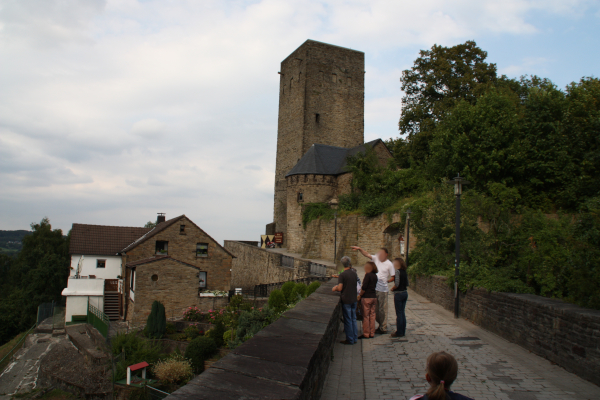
(162, 247)
(202, 250)
(182, 229)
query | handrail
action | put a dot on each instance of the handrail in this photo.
(10, 353)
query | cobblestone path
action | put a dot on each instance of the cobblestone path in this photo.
(489, 366)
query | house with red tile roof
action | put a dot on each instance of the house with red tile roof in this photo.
(121, 270)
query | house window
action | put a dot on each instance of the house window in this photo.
(300, 197)
(202, 250)
(202, 276)
(132, 283)
(317, 118)
(100, 263)
(182, 229)
(162, 247)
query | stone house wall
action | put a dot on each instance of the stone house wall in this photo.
(563, 333)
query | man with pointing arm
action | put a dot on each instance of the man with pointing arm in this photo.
(386, 274)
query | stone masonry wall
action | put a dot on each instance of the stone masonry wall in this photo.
(352, 230)
(287, 360)
(321, 100)
(560, 332)
(253, 266)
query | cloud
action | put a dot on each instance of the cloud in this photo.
(111, 111)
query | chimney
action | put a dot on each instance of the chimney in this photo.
(161, 218)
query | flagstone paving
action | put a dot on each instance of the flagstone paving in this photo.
(489, 366)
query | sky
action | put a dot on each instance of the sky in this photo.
(113, 111)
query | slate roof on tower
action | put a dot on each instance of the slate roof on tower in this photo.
(322, 159)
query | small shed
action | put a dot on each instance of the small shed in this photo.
(136, 367)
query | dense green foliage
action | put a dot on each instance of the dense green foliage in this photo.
(129, 349)
(199, 350)
(157, 321)
(277, 300)
(528, 148)
(251, 322)
(301, 289)
(36, 275)
(312, 288)
(216, 333)
(286, 289)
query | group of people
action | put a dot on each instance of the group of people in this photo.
(370, 298)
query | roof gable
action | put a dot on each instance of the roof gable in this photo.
(323, 159)
(164, 225)
(102, 239)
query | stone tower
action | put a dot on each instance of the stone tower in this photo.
(321, 100)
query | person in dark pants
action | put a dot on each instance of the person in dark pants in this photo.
(400, 296)
(347, 282)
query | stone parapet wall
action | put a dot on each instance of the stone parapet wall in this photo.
(561, 332)
(288, 359)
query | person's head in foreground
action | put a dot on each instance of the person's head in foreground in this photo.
(346, 262)
(370, 267)
(441, 373)
(399, 264)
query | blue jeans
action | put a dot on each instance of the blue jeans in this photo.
(400, 299)
(350, 329)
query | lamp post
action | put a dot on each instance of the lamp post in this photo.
(458, 183)
(335, 236)
(408, 212)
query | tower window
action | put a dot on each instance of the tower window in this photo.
(291, 83)
(300, 197)
(317, 118)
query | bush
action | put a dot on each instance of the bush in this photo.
(251, 322)
(301, 289)
(191, 332)
(175, 369)
(286, 289)
(199, 350)
(229, 336)
(312, 287)
(170, 328)
(216, 333)
(277, 300)
(157, 321)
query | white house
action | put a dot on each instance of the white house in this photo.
(96, 268)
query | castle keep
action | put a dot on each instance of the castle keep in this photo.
(321, 123)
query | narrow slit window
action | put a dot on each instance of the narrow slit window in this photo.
(202, 250)
(132, 283)
(300, 197)
(317, 118)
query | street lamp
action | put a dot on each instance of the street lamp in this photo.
(458, 183)
(408, 212)
(335, 236)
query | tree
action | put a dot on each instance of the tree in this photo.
(150, 224)
(157, 321)
(439, 79)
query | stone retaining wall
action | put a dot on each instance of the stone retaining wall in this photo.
(561, 332)
(288, 359)
(254, 266)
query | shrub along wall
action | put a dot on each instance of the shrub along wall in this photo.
(288, 359)
(560, 332)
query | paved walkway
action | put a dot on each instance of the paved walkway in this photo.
(489, 366)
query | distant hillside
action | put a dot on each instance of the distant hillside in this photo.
(12, 241)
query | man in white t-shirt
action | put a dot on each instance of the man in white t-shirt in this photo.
(385, 274)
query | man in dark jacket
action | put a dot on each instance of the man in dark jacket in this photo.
(347, 285)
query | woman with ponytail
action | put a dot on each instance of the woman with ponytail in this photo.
(441, 373)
